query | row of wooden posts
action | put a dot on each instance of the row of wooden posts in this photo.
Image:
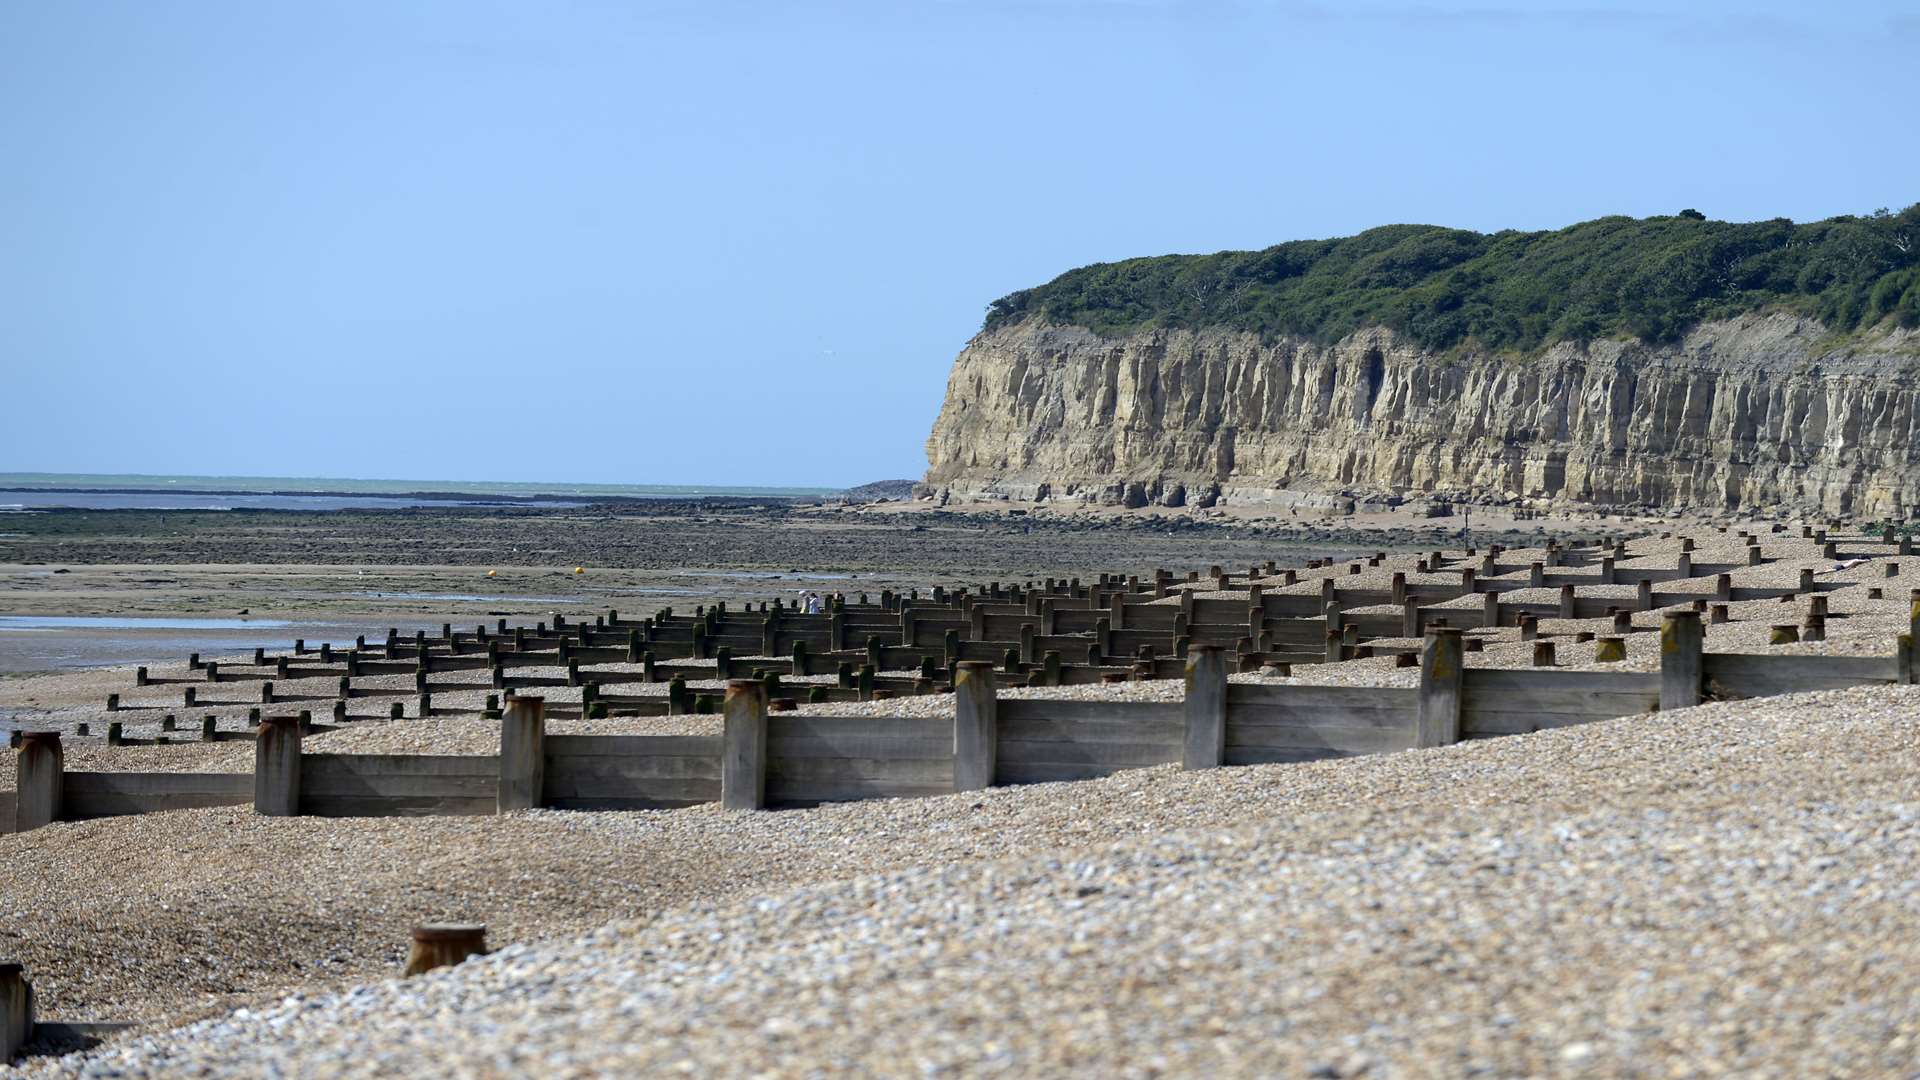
(278, 770)
(1036, 664)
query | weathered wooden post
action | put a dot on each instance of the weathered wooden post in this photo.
(1806, 580)
(276, 767)
(40, 783)
(976, 726)
(1442, 672)
(1783, 634)
(1682, 676)
(1536, 575)
(1410, 618)
(1913, 615)
(1490, 609)
(1543, 654)
(743, 757)
(1026, 643)
(1205, 745)
(16, 1012)
(523, 755)
(438, 945)
(1569, 606)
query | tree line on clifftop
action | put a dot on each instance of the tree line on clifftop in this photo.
(1509, 291)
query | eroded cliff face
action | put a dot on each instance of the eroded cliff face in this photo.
(1752, 412)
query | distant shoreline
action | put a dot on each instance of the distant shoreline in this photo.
(345, 487)
(465, 497)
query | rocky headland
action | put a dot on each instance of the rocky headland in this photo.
(1113, 385)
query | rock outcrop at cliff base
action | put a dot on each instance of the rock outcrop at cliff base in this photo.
(1758, 412)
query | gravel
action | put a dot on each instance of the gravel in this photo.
(1729, 889)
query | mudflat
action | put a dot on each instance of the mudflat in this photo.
(439, 563)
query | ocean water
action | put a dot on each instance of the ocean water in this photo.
(138, 491)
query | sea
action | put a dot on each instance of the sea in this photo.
(27, 492)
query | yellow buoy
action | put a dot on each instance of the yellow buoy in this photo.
(579, 569)
(490, 573)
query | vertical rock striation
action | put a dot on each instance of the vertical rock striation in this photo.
(1755, 412)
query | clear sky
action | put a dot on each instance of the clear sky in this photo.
(737, 242)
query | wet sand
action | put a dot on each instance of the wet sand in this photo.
(270, 577)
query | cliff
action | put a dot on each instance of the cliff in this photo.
(1755, 411)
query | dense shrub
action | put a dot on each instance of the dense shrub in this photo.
(1513, 291)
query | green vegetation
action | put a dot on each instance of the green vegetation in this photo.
(1509, 291)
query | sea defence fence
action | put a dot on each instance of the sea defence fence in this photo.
(771, 759)
(1059, 632)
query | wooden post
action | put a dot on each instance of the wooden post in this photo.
(445, 944)
(40, 782)
(16, 1012)
(1543, 654)
(1904, 672)
(1643, 597)
(1442, 664)
(1490, 609)
(1913, 616)
(1682, 641)
(276, 767)
(1410, 619)
(1569, 608)
(976, 726)
(1206, 709)
(743, 757)
(523, 732)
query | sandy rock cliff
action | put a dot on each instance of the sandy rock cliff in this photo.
(1757, 412)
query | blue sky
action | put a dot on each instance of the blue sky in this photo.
(741, 243)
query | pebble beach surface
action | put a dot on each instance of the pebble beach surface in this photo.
(1721, 890)
(1730, 889)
